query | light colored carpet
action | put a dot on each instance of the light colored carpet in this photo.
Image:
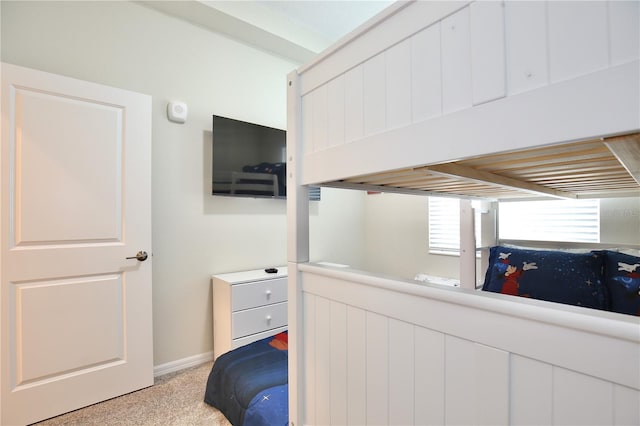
(175, 399)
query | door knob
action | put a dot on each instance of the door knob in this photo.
(140, 256)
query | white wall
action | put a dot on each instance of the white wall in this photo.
(396, 234)
(337, 229)
(128, 45)
(620, 220)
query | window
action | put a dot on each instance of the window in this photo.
(444, 225)
(550, 220)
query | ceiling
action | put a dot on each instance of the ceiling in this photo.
(294, 29)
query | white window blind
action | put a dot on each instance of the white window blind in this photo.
(444, 225)
(550, 220)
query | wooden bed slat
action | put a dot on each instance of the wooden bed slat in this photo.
(452, 169)
(573, 170)
(627, 151)
(518, 161)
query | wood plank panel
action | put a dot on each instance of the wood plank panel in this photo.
(481, 380)
(401, 372)
(460, 391)
(491, 178)
(492, 386)
(307, 121)
(354, 104)
(375, 99)
(487, 51)
(320, 118)
(567, 108)
(573, 337)
(338, 393)
(530, 395)
(336, 111)
(398, 81)
(624, 30)
(626, 408)
(377, 361)
(323, 361)
(309, 356)
(426, 74)
(580, 399)
(587, 151)
(627, 150)
(409, 18)
(526, 57)
(456, 62)
(578, 38)
(576, 168)
(356, 367)
(429, 377)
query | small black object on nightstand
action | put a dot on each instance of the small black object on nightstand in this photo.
(271, 270)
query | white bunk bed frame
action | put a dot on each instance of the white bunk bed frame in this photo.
(413, 101)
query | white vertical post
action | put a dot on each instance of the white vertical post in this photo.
(488, 231)
(297, 247)
(467, 246)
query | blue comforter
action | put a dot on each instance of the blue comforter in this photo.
(249, 385)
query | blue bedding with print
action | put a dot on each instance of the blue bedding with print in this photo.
(249, 385)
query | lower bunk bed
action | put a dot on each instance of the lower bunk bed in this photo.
(249, 384)
(379, 350)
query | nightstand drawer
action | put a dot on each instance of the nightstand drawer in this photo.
(251, 321)
(258, 293)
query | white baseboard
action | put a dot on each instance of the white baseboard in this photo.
(181, 364)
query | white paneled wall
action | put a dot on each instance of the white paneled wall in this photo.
(398, 85)
(426, 74)
(487, 51)
(356, 368)
(354, 105)
(374, 99)
(366, 365)
(483, 52)
(526, 46)
(455, 52)
(577, 42)
(624, 31)
(336, 116)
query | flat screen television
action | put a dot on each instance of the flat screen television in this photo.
(249, 160)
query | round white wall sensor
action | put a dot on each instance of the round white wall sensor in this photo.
(177, 112)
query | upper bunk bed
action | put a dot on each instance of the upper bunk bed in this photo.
(483, 99)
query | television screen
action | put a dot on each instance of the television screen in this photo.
(249, 160)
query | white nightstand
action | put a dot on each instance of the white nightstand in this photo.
(247, 306)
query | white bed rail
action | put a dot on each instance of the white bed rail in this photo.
(382, 351)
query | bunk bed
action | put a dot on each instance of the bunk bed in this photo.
(487, 100)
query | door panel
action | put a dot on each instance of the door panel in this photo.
(97, 300)
(75, 314)
(91, 175)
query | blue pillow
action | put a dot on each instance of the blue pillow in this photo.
(622, 278)
(555, 276)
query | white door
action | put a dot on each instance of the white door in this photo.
(75, 314)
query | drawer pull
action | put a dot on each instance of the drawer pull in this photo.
(268, 318)
(268, 294)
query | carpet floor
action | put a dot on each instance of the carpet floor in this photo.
(175, 399)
